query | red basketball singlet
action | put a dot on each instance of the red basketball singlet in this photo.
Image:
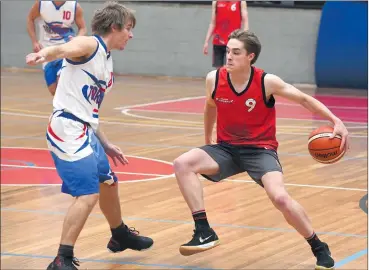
(245, 118)
(228, 18)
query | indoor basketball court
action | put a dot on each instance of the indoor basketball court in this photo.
(154, 120)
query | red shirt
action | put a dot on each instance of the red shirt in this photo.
(245, 118)
(227, 19)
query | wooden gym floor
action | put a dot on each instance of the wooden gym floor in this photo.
(154, 120)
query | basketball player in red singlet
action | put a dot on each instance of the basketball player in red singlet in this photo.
(226, 16)
(240, 98)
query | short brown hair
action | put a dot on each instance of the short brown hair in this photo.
(250, 41)
(111, 14)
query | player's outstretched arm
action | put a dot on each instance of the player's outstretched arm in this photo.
(76, 49)
(210, 111)
(276, 86)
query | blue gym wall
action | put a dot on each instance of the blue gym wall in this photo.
(342, 46)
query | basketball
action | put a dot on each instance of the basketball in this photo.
(322, 148)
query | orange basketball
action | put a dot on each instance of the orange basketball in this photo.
(322, 148)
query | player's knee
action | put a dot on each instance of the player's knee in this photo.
(89, 200)
(281, 201)
(182, 164)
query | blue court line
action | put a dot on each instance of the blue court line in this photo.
(46, 212)
(158, 265)
(22, 162)
(351, 258)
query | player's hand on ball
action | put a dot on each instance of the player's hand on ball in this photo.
(34, 59)
(340, 129)
(115, 153)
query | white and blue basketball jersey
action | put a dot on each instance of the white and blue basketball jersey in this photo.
(57, 21)
(82, 86)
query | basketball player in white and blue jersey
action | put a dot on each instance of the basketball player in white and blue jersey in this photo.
(77, 144)
(55, 20)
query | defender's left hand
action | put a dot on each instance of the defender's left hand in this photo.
(115, 153)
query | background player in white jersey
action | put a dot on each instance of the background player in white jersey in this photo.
(76, 142)
(55, 20)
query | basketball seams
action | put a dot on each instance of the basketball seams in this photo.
(322, 135)
(336, 147)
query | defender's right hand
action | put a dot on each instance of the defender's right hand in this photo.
(33, 59)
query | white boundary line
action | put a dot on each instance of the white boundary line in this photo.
(198, 97)
(172, 175)
(125, 110)
(160, 177)
(162, 126)
(157, 102)
(107, 122)
(363, 126)
(300, 185)
(53, 168)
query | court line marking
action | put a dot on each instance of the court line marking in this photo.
(168, 146)
(351, 258)
(300, 185)
(158, 102)
(53, 168)
(161, 126)
(199, 97)
(160, 177)
(158, 265)
(363, 126)
(110, 122)
(258, 228)
(173, 175)
(128, 112)
(125, 109)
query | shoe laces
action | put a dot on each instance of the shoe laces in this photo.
(75, 261)
(132, 230)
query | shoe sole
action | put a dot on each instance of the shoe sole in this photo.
(188, 251)
(317, 267)
(144, 249)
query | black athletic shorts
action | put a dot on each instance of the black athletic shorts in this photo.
(219, 55)
(234, 159)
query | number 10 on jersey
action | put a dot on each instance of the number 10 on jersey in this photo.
(66, 15)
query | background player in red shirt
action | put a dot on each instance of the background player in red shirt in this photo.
(226, 16)
(240, 97)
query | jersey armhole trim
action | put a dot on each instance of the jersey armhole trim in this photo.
(216, 84)
(75, 11)
(84, 61)
(39, 7)
(270, 103)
